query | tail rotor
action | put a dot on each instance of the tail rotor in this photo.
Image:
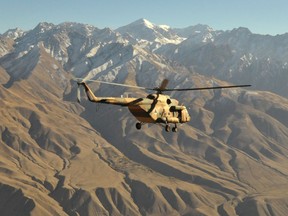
(79, 82)
(78, 93)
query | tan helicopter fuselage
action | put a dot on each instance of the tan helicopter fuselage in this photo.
(155, 108)
(159, 108)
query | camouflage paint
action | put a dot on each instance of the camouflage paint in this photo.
(155, 108)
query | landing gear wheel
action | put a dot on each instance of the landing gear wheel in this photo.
(167, 128)
(174, 129)
(138, 125)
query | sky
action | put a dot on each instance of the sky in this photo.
(260, 16)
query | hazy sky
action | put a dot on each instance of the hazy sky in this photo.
(260, 16)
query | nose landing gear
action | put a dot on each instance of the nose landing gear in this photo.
(167, 127)
(174, 129)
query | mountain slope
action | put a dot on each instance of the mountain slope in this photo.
(234, 55)
(62, 158)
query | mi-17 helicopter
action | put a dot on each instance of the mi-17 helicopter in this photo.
(155, 108)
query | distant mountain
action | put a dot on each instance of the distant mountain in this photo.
(146, 34)
(62, 158)
(198, 31)
(13, 33)
(260, 59)
(236, 56)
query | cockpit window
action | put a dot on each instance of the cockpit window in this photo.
(151, 96)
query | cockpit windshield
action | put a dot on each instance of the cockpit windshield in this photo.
(151, 96)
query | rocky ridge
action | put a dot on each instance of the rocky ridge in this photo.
(62, 158)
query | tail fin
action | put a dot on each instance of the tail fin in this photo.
(88, 91)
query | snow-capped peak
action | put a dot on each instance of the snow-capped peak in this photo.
(148, 24)
(13, 33)
(151, 25)
(43, 27)
(147, 33)
(140, 23)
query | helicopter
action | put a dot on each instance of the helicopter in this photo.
(157, 108)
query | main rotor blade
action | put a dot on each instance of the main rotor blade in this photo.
(207, 88)
(109, 83)
(163, 84)
(162, 87)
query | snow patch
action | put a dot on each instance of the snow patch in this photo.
(25, 52)
(163, 40)
(148, 24)
(165, 27)
(55, 67)
(208, 38)
(99, 69)
(93, 51)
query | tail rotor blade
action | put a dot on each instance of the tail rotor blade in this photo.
(78, 94)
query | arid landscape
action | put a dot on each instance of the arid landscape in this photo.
(59, 157)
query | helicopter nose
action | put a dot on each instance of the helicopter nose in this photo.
(188, 118)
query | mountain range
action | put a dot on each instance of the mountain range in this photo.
(59, 157)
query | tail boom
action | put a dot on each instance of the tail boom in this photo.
(107, 100)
